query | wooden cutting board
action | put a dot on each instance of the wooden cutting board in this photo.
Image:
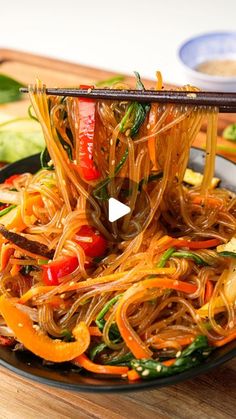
(209, 396)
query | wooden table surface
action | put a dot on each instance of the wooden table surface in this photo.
(211, 395)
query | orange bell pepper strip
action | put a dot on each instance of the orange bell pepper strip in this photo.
(134, 293)
(84, 361)
(202, 244)
(94, 331)
(39, 343)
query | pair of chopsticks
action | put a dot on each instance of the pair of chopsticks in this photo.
(226, 102)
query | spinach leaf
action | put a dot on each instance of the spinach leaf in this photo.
(9, 89)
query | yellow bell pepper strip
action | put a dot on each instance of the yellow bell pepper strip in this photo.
(40, 344)
(140, 291)
(13, 219)
(218, 307)
(84, 361)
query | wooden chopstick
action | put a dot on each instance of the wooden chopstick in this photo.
(226, 102)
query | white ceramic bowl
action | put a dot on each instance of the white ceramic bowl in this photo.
(206, 47)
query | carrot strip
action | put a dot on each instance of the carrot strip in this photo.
(90, 282)
(169, 362)
(94, 331)
(208, 291)
(133, 375)
(15, 270)
(6, 252)
(84, 361)
(41, 289)
(209, 201)
(134, 293)
(225, 340)
(203, 244)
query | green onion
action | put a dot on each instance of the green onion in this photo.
(5, 211)
(190, 255)
(227, 254)
(100, 322)
(96, 350)
(229, 132)
(165, 257)
(110, 81)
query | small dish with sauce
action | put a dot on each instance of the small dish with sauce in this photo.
(209, 61)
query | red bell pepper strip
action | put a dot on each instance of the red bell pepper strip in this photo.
(10, 179)
(95, 246)
(58, 268)
(86, 114)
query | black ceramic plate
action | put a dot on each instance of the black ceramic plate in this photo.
(63, 376)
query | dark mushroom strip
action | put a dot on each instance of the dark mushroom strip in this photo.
(26, 244)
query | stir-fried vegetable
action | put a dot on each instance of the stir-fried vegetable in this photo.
(192, 356)
(84, 132)
(39, 343)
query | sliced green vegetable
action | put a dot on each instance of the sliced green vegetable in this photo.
(227, 254)
(191, 357)
(165, 257)
(44, 159)
(190, 255)
(6, 210)
(67, 335)
(124, 360)
(100, 192)
(9, 89)
(96, 350)
(100, 322)
(229, 132)
(110, 81)
(200, 342)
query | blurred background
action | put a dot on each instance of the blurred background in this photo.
(122, 36)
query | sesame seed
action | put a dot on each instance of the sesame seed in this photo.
(191, 95)
(231, 324)
(145, 373)
(176, 283)
(148, 126)
(72, 283)
(130, 338)
(111, 142)
(75, 161)
(194, 359)
(20, 324)
(205, 353)
(139, 368)
(62, 295)
(178, 354)
(124, 375)
(89, 90)
(36, 327)
(76, 125)
(158, 368)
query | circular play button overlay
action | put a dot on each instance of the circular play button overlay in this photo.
(124, 207)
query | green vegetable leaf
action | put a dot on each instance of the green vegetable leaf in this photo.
(9, 89)
(190, 255)
(191, 357)
(227, 254)
(229, 132)
(166, 255)
(96, 350)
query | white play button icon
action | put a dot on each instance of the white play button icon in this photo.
(116, 209)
